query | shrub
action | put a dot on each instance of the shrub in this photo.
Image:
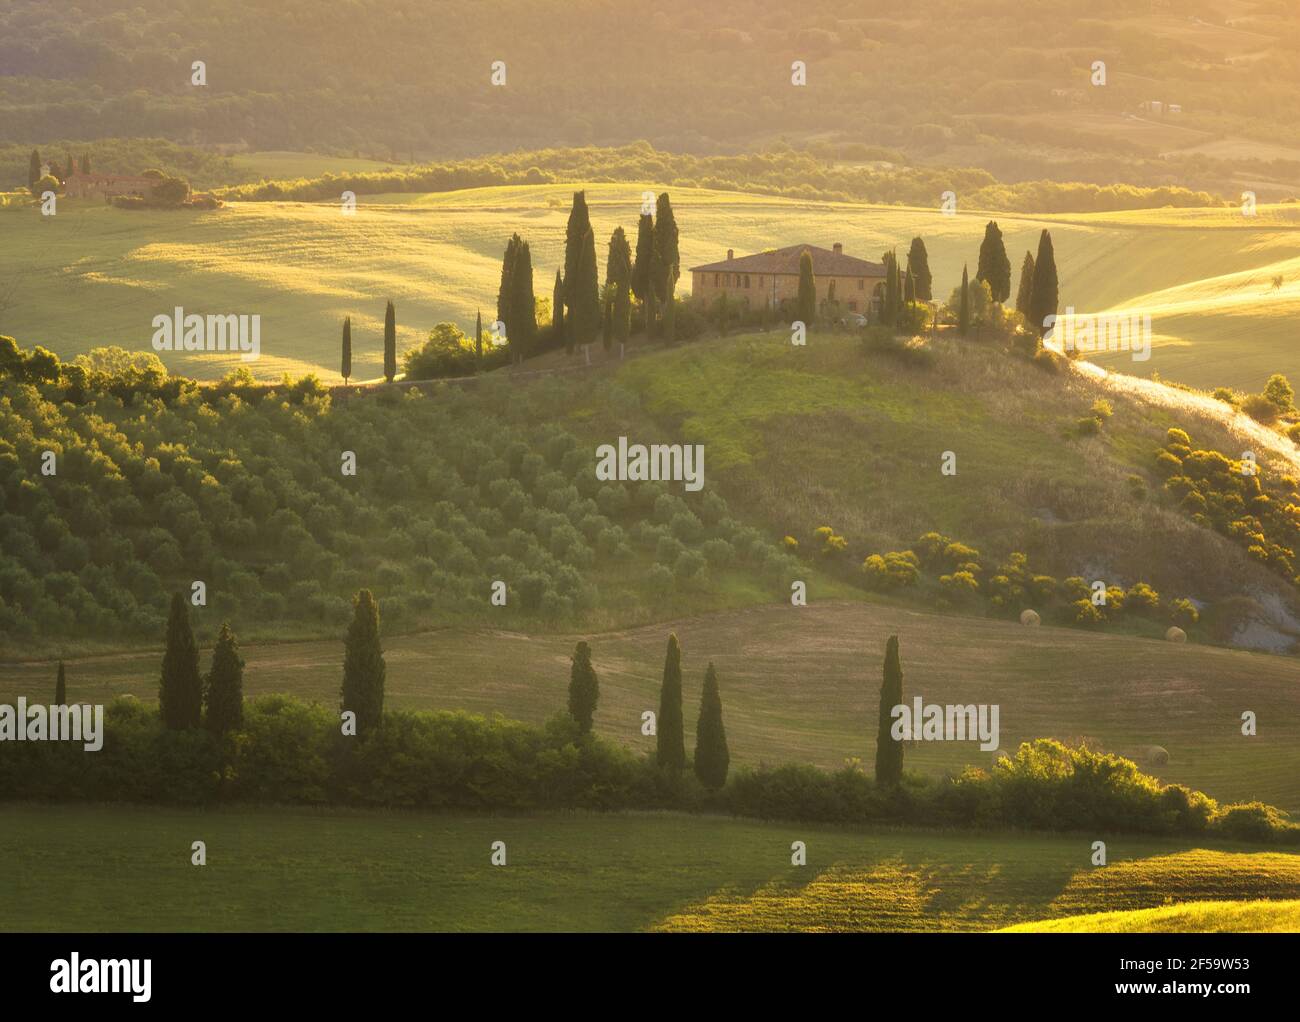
(893, 570)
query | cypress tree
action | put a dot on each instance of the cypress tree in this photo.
(1043, 299)
(918, 265)
(806, 304)
(668, 260)
(618, 274)
(558, 333)
(994, 266)
(889, 307)
(363, 664)
(225, 685)
(584, 688)
(478, 335)
(390, 343)
(180, 692)
(85, 163)
(61, 687)
(582, 295)
(644, 270)
(522, 332)
(1024, 294)
(575, 237)
(889, 753)
(963, 315)
(670, 745)
(346, 367)
(711, 756)
(909, 288)
(506, 293)
(33, 169)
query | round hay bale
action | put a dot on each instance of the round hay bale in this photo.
(1030, 617)
(1157, 755)
(1175, 634)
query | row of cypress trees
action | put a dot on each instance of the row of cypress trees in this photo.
(712, 758)
(390, 345)
(34, 165)
(1038, 294)
(183, 692)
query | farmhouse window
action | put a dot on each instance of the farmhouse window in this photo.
(717, 279)
(862, 284)
(746, 280)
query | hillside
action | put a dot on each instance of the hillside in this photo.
(414, 79)
(800, 685)
(93, 276)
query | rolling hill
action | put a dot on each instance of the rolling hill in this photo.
(92, 276)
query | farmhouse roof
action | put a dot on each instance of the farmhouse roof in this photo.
(826, 262)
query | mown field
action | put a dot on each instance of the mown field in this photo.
(1193, 917)
(93, 275)
(129, 869)
(802, 684)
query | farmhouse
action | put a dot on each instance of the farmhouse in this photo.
(768, 278)
(107, 186)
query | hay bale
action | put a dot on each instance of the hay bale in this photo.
(1157, 755)
(1175, 634)
(1029, 617)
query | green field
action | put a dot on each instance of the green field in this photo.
(93, 275)
(126, 869)
(801, 685)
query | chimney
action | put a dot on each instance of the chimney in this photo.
(731, 254)
(838, 248)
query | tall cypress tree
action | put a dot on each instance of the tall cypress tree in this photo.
(390, 342)
(618, 277)
(889, 753)
(61, 687)
(363, 664)
(994, 266)
(889, 306)
(478, 335)
(558, 334)
(712, 759)
(225, 685)
(668, 259)
(180, 692)
(1024, 295)
(523, 306)
(1044, 297)
(506, 293)
(33, 169)
(909, 288)
(806, 303)
(582, 295)
(670, 746)
(85, 163)
(584, 688)
(644, 271)
(963, 314)
(918, 265)
(575, 237)
(346, 368)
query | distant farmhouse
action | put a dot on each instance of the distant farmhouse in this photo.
(107, 186)
(768, 278)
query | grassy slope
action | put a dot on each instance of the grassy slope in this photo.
(129, 869)
(95, 276)
(801, 684)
